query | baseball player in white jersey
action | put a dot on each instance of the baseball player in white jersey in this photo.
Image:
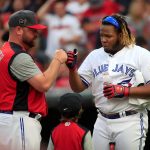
(110, 73)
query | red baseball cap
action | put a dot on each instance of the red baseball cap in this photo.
(25, 18)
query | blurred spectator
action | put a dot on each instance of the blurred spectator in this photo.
(63, 29)
(141, 41)
(147, 11)
(12, 6)
(136, 17)
(18, 5)
(91, 18)
(138, 21)
(33, 5)
(125, 6)
(77, 7)
(4, 5)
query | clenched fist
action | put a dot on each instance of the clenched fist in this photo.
(60, 55)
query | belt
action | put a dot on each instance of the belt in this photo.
(118, 115)
(30, 114)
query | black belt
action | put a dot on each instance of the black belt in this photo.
(32, 115)
(6, 112)
(118, 115)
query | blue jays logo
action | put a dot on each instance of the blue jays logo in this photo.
(118, 68)
(124, 70)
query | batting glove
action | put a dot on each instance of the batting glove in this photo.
(115, 91)
(72, 59)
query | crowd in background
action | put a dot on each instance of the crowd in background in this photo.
(75, 24)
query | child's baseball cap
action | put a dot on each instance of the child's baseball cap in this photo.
(25, 18)
(70, 104)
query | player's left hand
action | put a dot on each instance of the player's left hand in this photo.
(115, 91)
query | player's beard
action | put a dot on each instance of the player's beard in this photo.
(114, 49)
(28, 42)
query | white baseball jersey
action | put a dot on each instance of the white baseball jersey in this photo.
(100, 67)
(128, 132)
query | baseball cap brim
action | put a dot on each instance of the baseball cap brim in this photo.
(37, 27)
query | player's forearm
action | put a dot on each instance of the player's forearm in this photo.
(51, 73)
(140, 92)
(76, 82)
(43, 81)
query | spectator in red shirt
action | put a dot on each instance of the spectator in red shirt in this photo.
(91, 18)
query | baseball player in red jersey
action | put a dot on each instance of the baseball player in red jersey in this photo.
(112, 74)
(69, 135)
(22, 84)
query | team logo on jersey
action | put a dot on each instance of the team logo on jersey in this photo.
(67, 123)
(125, 83)
(124, 70)
(100, 69)
(118, 68)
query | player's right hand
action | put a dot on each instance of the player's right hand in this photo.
(72, 59)
(115, 91)
(60, 55)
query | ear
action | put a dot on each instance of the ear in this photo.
(19, 30)
(120, 35)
